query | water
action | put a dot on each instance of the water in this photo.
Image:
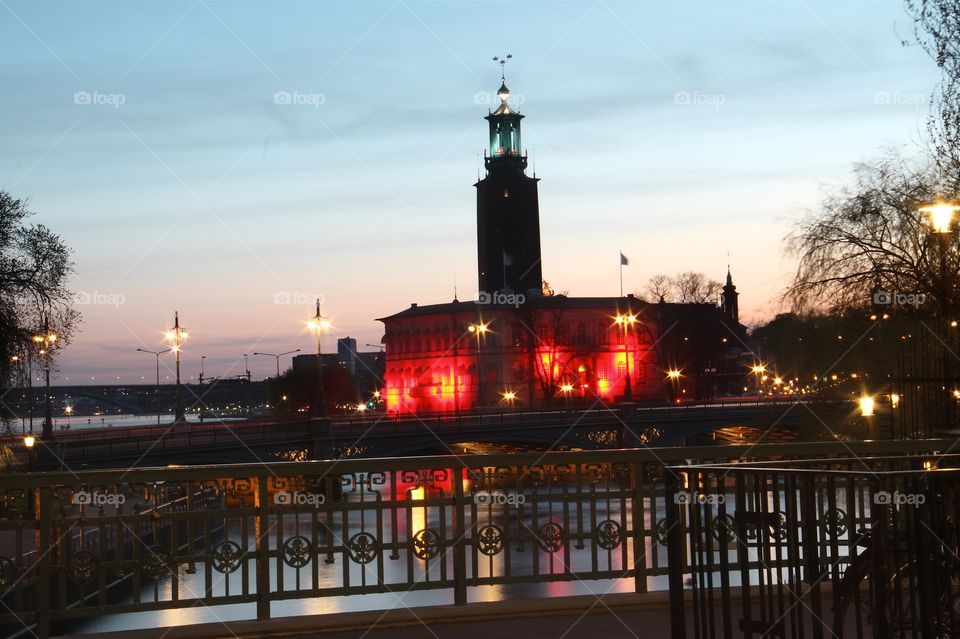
(395, 571)
(63, 423)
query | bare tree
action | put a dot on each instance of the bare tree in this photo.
(695, 288)
(34, 266)
(658, 288)
(937, 30)
(870, 239)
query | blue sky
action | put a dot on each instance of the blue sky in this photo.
(151, 136)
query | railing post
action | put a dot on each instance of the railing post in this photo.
(44, 561)
(460, 539)
(639, 528)
(263, 549)
(675, 556)
(879, 513)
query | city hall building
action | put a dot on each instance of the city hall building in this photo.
(520, 345)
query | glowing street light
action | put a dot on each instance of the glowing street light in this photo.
(318, 325)
(866, 406)
(626, 321)
(47, 341)
(673, 374)
(176, 336)
(941, 216)
(509, 396)
(479, 329)
(894, 400)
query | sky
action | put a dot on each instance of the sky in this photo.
(234, 161)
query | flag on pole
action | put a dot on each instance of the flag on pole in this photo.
(507, 260)
(623, 260)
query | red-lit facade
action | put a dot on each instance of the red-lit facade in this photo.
(557, 349)
(548, 349)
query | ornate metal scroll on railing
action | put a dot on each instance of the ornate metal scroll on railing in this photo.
(857, 547)
(94, 543)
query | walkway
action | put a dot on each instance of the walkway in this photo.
(584, 617)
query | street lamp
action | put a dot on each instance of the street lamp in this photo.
(479, 329)
(674, 376)
(318, 325)
(176, 336)
(47, 341)
(156, 354)
(29, 442)
(626, 322)
(941, 216)
(866, 406)
(278, 356)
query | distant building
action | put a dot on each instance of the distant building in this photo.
(347, 353)
(518, 344)
(368, 368)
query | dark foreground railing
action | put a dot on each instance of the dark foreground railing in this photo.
(856, 547)
(75, 546)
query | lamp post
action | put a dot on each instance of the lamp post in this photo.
(176, 336)
(318, 325)
(626, 322)
(29, 442)
(941, 215)
(278, 356)
(47, 341)
(674, 376)
(30, 386)
(479, 329)
(156, 354)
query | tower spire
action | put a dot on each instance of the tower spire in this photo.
(728, 299)
(503, 63)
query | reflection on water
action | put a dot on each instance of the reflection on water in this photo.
(105, 421)
(418, 509)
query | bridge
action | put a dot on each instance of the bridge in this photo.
(78, 546)
(136, 399)
(387, 436)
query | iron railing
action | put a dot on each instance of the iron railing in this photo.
(80, 545)
(855, 547)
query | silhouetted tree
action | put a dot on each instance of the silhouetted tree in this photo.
(871, 239)
(687, 287)
(937, 30)
(34, 267)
